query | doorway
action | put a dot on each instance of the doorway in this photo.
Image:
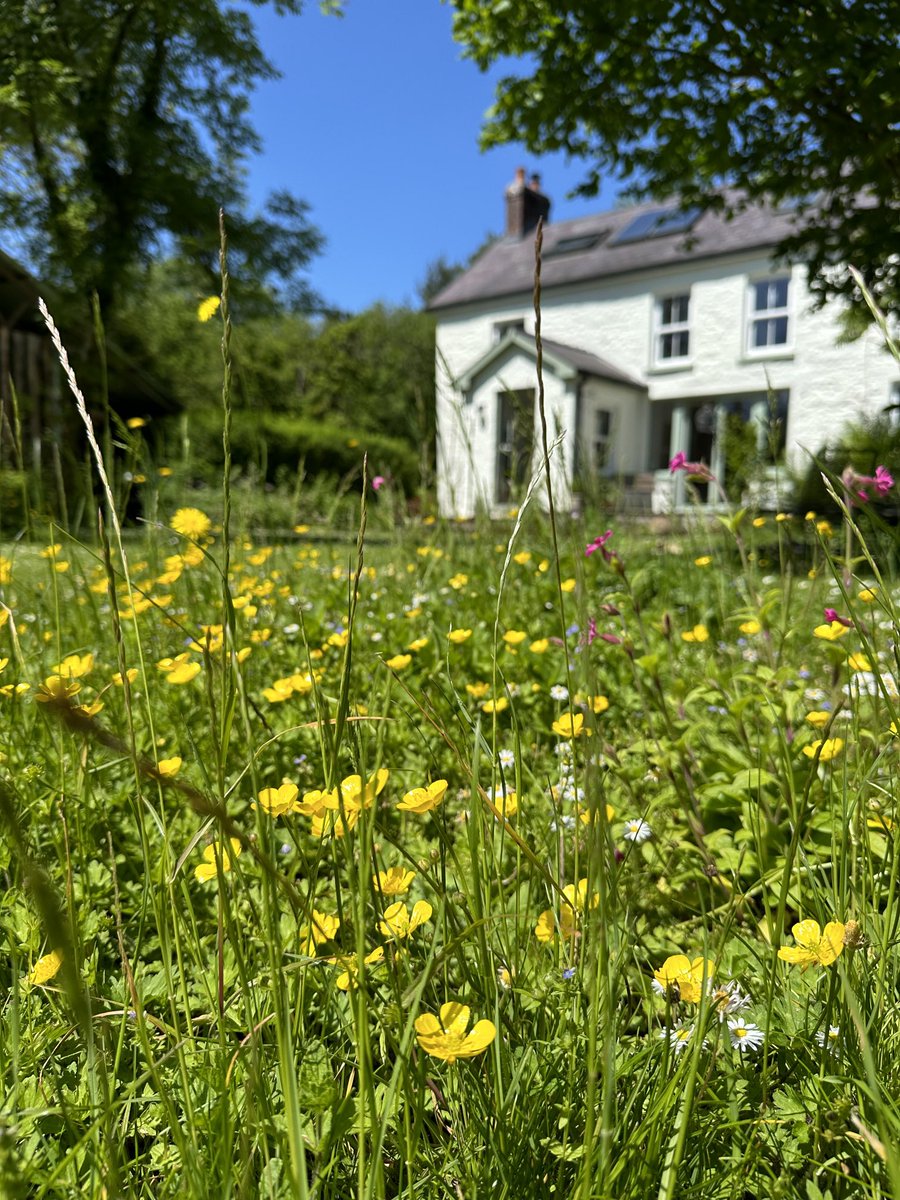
(515, 442)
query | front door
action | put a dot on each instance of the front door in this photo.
(704, 422)
(515, 443)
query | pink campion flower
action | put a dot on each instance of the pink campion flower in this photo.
(597, 544)
(589, 634)
(831, 615)
(378, 483)
(857, 486)
(680, 463)
(883, 481)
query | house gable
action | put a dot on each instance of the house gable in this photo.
(566, 362)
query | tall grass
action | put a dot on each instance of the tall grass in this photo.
(236, 1012)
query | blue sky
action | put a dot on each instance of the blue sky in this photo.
(375, 122)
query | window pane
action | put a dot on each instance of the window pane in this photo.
(603, 421)
(769, 332)
(674, 310)
(666, 345)
(770, 293)
(682, 341)
(502, 328)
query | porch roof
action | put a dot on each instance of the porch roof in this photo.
(567, 362)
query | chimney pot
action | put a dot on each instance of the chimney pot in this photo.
(525, 205)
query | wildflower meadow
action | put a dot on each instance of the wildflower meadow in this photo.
(525, 858)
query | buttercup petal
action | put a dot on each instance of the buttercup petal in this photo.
(483, 1033)
(832, 942)
(454, 1017)
(427, 1025)
(808, 934)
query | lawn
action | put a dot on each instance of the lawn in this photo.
(475, 865)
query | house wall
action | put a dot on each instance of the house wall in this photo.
(829, 384)
(630, 425)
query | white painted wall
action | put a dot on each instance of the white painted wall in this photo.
(468, 431)
(829, 384)
(630, 424)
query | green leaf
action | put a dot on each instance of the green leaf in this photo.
(316, 1090)
(754, 778)
(648, 663)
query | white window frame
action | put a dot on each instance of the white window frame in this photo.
(756, 315)
(660, 330)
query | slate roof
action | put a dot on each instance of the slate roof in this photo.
(507, 268)
(572, 360)
(588, 364)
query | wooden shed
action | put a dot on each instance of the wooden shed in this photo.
(28, 368)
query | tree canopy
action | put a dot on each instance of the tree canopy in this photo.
(785, 102)
(123, 129)
(318, 389)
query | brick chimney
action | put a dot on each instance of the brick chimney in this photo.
(525, 205)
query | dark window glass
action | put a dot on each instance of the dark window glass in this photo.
(778, 293)
(770, 293)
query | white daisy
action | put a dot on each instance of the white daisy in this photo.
(507, 759)
(558, 692)
(727, 998)
(636, 830)
(829, 1038)
(745, 1038)
(679, 1037)
(566, 822)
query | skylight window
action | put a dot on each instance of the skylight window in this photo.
(578, 242)
(797, 204)
(660, 222)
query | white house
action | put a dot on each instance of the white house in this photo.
(656, 325)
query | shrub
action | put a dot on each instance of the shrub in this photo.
(278, 445)
(863, 445)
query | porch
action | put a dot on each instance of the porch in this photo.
(740, 438)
